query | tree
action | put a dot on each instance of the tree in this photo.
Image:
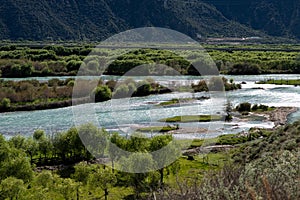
(5, 104)
(102, 178)
(18, 142)
(121, 92)
(164, 152)
(137, 143)
(82, 172)
(74, 65)
(143, 88)
(11, 188)
(141, 167)
(93, 65)
(39, 134)
(244, 69)
(244, 107)
(102, 93)
(44, 179)
(117, 143)
(13, 162)
(95, 139)
(31, 148)
(67, 187)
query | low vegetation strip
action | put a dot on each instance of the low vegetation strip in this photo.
(161, 129)
(280, 82)
(193, 118)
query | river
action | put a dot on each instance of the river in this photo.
(128, 114)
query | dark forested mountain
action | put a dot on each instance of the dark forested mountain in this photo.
(275, 17)
(98, 19)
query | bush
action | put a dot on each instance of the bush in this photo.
(244, 107)
(5, 103)
(102, 93)
(73, 65)
(244, 69)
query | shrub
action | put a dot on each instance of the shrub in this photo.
(5, 103)
(73, 65)
(244, 69)
(102, 93)
(244, 107)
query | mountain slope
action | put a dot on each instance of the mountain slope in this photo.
(68, 19)
(99, 19)
(275, 17)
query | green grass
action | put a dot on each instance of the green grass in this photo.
(157, 129)
(203, 163)
(175, 101)
(193, 118)
(280, 82)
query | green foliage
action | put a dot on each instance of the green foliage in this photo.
(39, 135)
(215, 84)
(13, 162)
(12, 188)
(121, 91)
(102, 93)
(82, 172)
(244, 69)
(244, 107)
(102, 178)
(280, 82)
(74, 65)
(193, 118)
(5, 103)
(94, 138)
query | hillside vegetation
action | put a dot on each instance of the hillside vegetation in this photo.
(97, 20)
(263, 165)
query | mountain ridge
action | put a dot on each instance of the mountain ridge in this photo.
(97, 20)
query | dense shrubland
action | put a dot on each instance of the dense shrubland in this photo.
(216, 84)
(264, 165)
(56, 60)
(55, 93)
(248, 107)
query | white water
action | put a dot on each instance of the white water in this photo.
(142, 110)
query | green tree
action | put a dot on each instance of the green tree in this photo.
(95, 139)
(121, 92)
(82, 172)
(31, 148)
(14, 163)
(102, 178)
(141, 167)
(164, 152)
(12, 188)
(143, 88)
(39, 134)
(5, 103)
(102, 93)
(115, 147)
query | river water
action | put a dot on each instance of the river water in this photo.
(127, 114)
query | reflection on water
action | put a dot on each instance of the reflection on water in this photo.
(144, 111)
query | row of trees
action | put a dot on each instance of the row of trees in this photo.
(19, 155)
(59, 60)
(215, 84)
(267, 168)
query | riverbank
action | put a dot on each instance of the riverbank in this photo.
(280, 115)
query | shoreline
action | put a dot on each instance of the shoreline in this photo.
(280, 115)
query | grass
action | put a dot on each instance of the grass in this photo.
(157, 129)
(175, 101)
(201, 164)
(193, 118)
(280, 82)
